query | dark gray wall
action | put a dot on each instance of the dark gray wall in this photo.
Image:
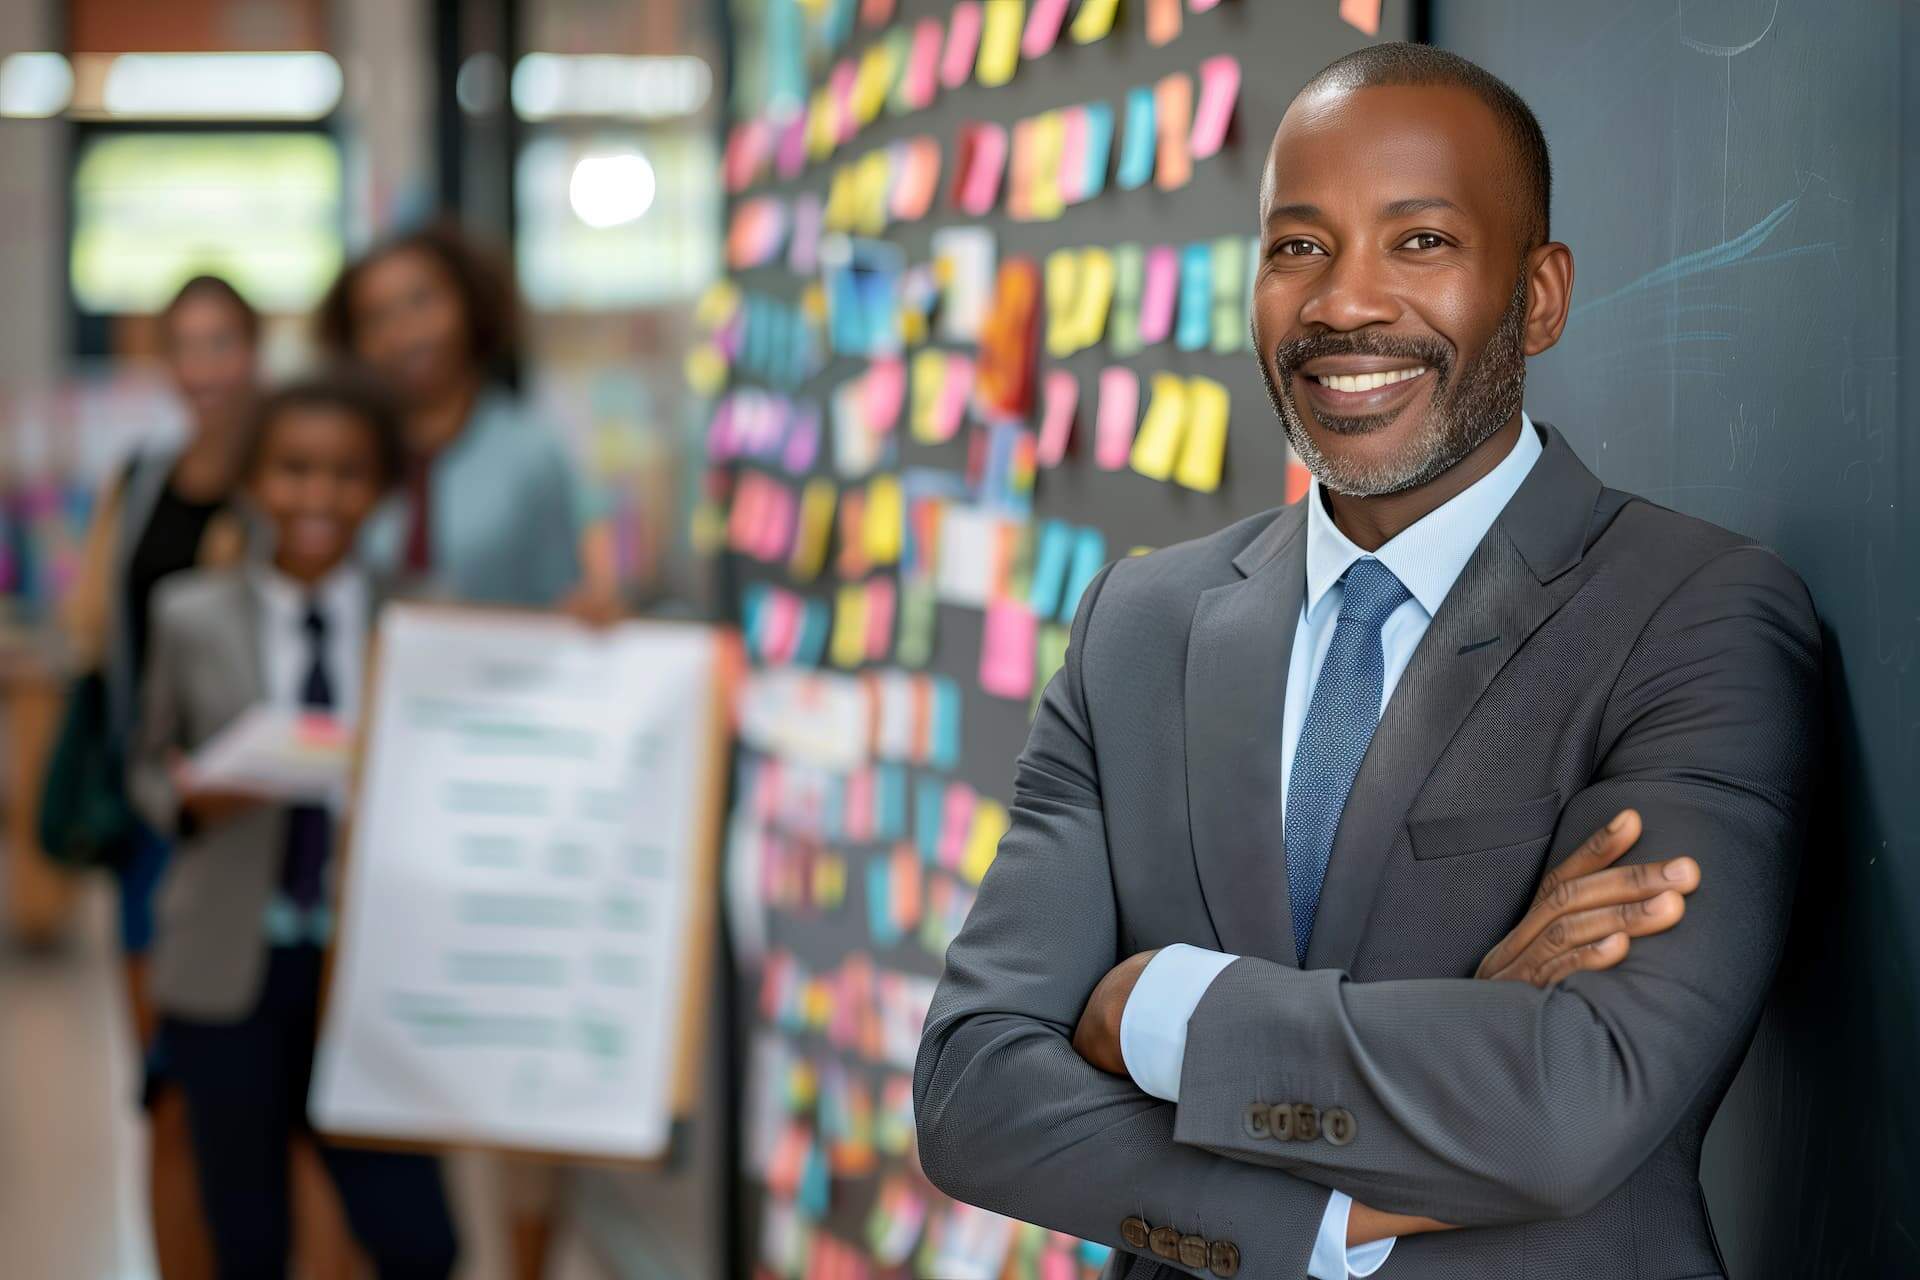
(1739, 191)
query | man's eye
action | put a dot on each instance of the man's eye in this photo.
(1423, 240)
(1296, 249)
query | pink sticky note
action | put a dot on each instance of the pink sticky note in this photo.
(1043, 27)
(956, 822)
(1201, 6)
(782, 626)
(1118, 415)
(884, 393)
(1219, 90)
(1363, 14)
(963, 41)
(880, 602)
(840, 83)
(1073, 155)
(921, 81)
(1158, 293)
(1060, 393)
(1006, 650)
(980, 188)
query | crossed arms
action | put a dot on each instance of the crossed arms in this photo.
(1478, 1102)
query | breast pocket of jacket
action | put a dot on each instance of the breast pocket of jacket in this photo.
(1515, 829)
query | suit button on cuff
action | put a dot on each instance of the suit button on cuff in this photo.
(1255, 1121)
(1306, 1122)
(1193, 1251)
(1165, 1242)
(1338, 1125)
(1223, 1259)
(1280, 1121)
(1134, 1232)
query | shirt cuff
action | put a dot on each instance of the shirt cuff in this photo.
(1153, 1026)
(1331, 1259)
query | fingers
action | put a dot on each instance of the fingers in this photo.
(1601, 849)
(1603, 954)
(1582, 881)
(1581, 929)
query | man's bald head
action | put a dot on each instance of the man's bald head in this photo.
(1421, 64)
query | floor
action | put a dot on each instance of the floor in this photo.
(71, 1143)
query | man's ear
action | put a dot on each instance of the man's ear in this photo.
(1549, 294)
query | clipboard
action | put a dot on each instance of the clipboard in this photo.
(703, 741)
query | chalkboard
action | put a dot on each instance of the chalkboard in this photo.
(1731, 180)
(1280, 46)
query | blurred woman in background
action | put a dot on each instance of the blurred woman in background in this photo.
(490, 511)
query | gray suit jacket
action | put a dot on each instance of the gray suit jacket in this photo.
(1596, 652)
(204, 667)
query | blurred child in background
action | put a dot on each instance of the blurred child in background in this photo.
(243, 912)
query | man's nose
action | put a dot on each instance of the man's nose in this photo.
(1351, 294)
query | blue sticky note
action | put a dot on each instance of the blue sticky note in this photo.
(833, 806)
(1139, 143)
(755, 335)
(929, 812)
(944, 748)
(1193, 329)
(879, 901)
(1099, 146)
(816, 1185)
(815, 620)
(1052, 548)
(889, 802)
(753, 604)
(1089, 553)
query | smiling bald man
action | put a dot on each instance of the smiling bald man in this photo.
(1395, 878)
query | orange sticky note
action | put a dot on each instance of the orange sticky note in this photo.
(1163, 22)
(1173, 115)
(1363, 15)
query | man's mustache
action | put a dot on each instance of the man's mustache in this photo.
(1289, 356)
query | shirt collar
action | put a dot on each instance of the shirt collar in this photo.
(337, 593)
(1430, 553)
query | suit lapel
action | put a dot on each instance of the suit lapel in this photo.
(1237, 656)
(1511, 585)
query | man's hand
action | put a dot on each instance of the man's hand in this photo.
(1097, 1038)
(1585, 915)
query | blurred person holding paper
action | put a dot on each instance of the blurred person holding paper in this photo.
(243, 909)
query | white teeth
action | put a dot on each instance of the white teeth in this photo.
(1368, 381)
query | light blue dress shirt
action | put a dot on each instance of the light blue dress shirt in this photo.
(1427, 557)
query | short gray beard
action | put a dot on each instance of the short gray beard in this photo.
(1461, 418)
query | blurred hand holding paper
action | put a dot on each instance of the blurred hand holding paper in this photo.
(277, 753)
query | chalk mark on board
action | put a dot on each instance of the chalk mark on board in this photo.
(1724, 50)
(1724, 254)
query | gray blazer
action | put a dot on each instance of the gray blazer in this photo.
(204, 668)
(1596, 652)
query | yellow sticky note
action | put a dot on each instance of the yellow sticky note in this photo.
(1205, 446)
(815, 529)
(874, 176)
(848, 648)
(1092, 299)
(1094, 20)
(927, 378)
(1000, 42)
(1062, 285)
(983, 839)
(1157, 445)
(843, 199)
(885, 520)
(871, 82)
(823, 129)
(706, 369)
(1047, 202)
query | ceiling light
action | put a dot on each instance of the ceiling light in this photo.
(608, 190)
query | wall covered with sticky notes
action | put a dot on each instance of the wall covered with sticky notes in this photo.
(986, 331)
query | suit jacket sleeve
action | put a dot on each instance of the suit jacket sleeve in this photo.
(1010, 1117)
(1480, 1102)
(157, 731)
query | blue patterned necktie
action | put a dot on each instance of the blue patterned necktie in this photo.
(1340, 723)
